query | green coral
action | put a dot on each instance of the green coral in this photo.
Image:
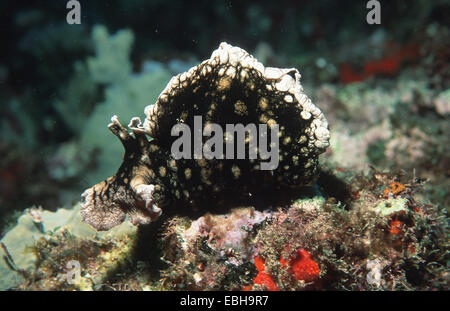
(391, 206)
(77, 98)
(111, 63)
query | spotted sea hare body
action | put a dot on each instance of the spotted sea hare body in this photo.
(231, 87)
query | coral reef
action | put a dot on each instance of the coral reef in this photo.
(403, 126)
(371, 212)
(378, 240)
(372, 233)
(37, 251)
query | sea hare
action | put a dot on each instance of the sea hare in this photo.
(230, 88)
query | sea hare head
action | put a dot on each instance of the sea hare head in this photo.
(106, 204)
(231, 87)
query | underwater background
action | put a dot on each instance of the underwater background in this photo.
(375, 220)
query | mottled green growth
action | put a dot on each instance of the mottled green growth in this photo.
(391, 206)
(375, 152)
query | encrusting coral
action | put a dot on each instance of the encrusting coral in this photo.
(231, 87)
(364, 241)
(359, 237)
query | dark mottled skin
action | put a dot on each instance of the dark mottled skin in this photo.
(185, 104)
(247, 97)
